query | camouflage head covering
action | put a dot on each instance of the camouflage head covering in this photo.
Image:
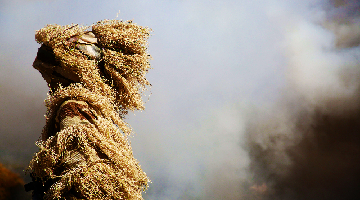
(111, 59)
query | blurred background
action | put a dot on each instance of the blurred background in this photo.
(249, 99)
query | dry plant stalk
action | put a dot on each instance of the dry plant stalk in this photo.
(94, 78)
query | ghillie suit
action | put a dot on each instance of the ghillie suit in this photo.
(94, 78)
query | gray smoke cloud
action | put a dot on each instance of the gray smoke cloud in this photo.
(307, 146)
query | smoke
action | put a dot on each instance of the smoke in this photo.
(303, 147)
(224, 172)
(307, 146)
(345, 22)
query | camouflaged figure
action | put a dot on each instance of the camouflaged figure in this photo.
(94, 78)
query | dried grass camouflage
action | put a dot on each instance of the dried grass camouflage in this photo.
(88, 154)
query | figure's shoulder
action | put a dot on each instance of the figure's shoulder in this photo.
(72, 112)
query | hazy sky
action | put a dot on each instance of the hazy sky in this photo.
(211, 61)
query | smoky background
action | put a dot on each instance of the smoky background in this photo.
(306, 145)
(250, 99)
